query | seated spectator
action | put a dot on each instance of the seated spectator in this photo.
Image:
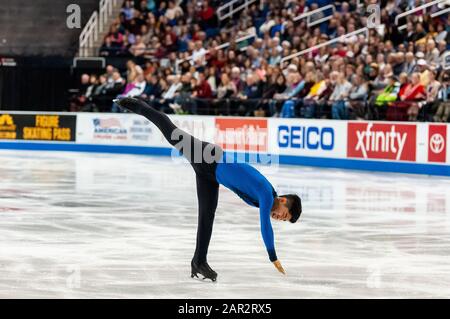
(202, 92)
(410, 94)
(315, 94)
(390, 92)
(443, 110)
(208, 15)
(226, 90)
(77, 101)
(108, 49)
(323, 109)
(382, 79)
(276, 85)
(93, 81)
(173, 12)
(117, 38)
(110, 91)
(441, 33)
(182, 99)
(399, 65)
(133, 70)
(432, 53)
(128, 10)
(92, 104)
(294, 85)
(422, 69)
(357, 97)
(237, 80)
(199, 54)
(431, 103)
(153, 88)
(410, 63)
(211, 78)
(174, 86)
(134, 89)
(250, 96)
(139, 48)
(339, 97)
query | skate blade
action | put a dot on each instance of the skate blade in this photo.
(196, 277)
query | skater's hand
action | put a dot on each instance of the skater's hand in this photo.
(278, 266)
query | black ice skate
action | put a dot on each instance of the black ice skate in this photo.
(204, 270)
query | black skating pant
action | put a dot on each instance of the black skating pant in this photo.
(207, 186)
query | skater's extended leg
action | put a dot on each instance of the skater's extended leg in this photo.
(208, 195)
(160, 119)
(191, 147)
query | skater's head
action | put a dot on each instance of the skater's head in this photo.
(287, 208)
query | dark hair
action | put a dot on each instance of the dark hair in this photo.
(294, 203)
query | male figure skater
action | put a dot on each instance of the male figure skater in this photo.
(211, 169)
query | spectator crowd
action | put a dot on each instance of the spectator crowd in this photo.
(262, 61)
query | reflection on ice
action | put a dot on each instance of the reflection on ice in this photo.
(85, 225)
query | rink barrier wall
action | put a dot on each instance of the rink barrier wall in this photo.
(401, 147)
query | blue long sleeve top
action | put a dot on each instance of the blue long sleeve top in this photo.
(250, 185)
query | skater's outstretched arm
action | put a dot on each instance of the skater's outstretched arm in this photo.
(265, 207)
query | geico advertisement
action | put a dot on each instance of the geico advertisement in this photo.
(38, 127)
(316, 138)
(134, 130)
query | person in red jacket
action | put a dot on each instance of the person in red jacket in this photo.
(202, 94)
(208, 16)
(413, 92)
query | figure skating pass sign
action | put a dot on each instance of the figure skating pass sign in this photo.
(38, 127)
(382, 141)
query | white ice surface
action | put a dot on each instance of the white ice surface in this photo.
(98, 226)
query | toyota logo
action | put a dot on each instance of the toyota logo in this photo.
(437, 143)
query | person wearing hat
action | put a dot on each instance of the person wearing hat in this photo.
(420, 55)
(423, 70)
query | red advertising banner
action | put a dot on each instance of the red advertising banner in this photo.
(242, 134)
(382, 141)
(437, 146)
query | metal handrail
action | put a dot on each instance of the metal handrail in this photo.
(232, 11)
(311, 13)
(223, 46)
(96, 25)
(89, 34)
(414, 10)
(337, 39)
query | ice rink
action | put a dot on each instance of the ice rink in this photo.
(76, 225)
